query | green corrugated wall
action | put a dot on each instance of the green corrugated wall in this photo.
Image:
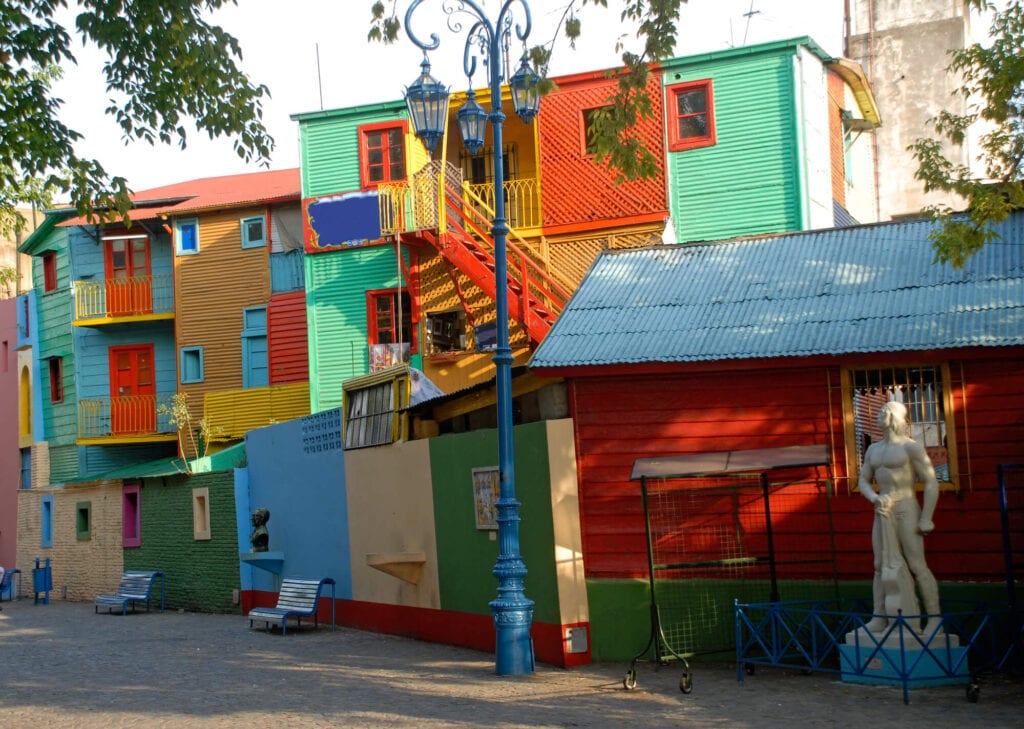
(748, 182)
(336, 286)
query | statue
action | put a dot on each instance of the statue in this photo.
(895, 463)
(260, 537)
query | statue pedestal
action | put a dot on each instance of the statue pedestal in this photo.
(269, 561)
(925, 659)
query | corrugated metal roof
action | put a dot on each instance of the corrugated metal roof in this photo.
(212, 193)
(873, 288)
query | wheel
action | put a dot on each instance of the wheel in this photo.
(973, 692)
(686, 683)
(629, 682)
(748, 668)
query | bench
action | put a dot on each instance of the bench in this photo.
(298, 598)
(136, 586)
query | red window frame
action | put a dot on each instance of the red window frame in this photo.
(49, 272)
(677, 142)
(373, 330)
(367, 135)
(55, 366)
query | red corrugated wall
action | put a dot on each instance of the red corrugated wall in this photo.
(286, 338)
(622, 418)
(575, 189)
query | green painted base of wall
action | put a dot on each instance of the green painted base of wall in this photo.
(697, 615)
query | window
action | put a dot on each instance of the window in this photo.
(691, 116)
(56, 368)
(381, 153)
(446, 331)
(131, 522)
(385, 308)
(924, 391)
(83, 521)
(46, 521)
(254, 232)
(370, 415)
(49, 272)
(191, 365)
(26, 468)
(590, 118)
(201, 514)
(186, 237)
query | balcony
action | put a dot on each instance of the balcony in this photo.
(128, 419)
(522, 202)
(119, 300)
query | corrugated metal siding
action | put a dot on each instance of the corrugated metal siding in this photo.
(212, 289)
(748, 181)
(862, 289)
(96, 460)
(287, 272)
(63, 463)
(92, 356)
(330, 153)
(234, 413)
(53, 323)
(287, 340)
(337, 283)
(574, 188)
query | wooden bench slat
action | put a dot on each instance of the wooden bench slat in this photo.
(297, 598)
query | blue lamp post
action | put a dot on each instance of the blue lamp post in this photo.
(512, 610)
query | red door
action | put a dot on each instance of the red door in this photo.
(132, 390)
(128, 281)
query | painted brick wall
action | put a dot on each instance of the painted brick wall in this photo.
(81, 569)
(201, 575)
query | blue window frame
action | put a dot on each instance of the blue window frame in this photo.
(186, 236)
(46, 521)
(255, 359)
(191, 365)
(254, 232)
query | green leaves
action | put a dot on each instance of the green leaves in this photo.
(166, 69)
(993, 87)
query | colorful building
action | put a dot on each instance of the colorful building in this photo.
(790, 341)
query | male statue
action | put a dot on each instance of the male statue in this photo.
(894, 464)
(260, 537)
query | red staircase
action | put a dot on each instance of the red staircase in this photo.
(535, 299)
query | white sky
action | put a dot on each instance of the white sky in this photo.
(281, 42)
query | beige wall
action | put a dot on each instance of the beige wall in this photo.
(565, 512)
(391, 502)
(81, 569)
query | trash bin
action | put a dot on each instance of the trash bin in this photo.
(42, 581)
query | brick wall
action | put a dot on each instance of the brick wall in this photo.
(81, 569)
(201, 574)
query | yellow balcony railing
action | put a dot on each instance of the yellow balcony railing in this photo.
(122, 298)
(230, 414)
(129, 416)
(522, 201)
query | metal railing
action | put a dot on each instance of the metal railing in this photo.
(522, 201)
(135, 296)
(130, 415)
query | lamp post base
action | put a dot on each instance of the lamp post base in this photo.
(513, 650)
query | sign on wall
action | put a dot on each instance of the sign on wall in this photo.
(486, 492)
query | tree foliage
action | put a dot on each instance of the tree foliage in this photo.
(612, 140)
(166, 68)
(993, 86)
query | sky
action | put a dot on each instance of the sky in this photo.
(314, 54)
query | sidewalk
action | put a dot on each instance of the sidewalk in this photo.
(63, 666)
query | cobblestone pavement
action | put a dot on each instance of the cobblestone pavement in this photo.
(61, 665)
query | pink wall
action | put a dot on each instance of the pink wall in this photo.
(10, 458)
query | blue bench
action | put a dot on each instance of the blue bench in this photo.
(298, 598)
(9, 588)
(136, 586)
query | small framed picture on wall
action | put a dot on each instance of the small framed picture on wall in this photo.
(486, 492)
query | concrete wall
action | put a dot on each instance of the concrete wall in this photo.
(903, 46)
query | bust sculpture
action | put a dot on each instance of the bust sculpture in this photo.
(895, 463)
(260, 537)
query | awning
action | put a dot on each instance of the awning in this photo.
(160, 467)
(710, 464)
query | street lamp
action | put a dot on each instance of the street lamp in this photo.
(512, 610)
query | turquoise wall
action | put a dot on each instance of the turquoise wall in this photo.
(748, 181)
